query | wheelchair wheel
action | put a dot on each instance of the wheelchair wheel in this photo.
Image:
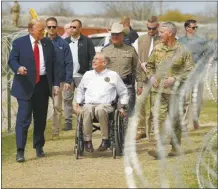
(79, 143)
(119, 134)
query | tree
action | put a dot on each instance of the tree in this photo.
(135, 10)
(58, 9)
(6, 8)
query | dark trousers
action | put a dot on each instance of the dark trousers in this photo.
(38, 107)
(132, 99)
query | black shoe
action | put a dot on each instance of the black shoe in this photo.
(40, 152)
(105, 144)
(88, 146)
(20, 156)
(68, 127)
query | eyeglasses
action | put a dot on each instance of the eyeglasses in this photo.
(74, 27)
(152, 28)
(195, 27)
(49, 27)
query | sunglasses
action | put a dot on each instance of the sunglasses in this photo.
(49, 27)
(152, 28)
(195, 27)
(74, 27)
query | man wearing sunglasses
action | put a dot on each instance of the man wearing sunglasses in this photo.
(124, 61)
(65, 61)
(146, 44)
(83, 52)
(197, 47)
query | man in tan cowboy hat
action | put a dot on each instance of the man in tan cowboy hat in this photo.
(124, 61)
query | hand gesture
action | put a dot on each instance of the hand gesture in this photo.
(22, 70)
(139, 90)
(144, 66)
(154, 81)
(169, 82)
(56, 90)
(123, 113)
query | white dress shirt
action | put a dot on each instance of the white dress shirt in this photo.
(101, 88)
(41, 55)
(74, 50)
(151, 46)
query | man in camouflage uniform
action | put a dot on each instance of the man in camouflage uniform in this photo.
(124, 61)
(169, 62)
(146, 43)
(15, 11)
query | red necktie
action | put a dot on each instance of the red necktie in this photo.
(37, 60)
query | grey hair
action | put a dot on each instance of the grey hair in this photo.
(170, 27)
(104, 57)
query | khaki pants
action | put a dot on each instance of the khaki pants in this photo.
(100, 111)
(68, 105)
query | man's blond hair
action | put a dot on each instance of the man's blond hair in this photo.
(124, 19)
(32, 22)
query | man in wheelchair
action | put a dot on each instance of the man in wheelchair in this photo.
(97, 91)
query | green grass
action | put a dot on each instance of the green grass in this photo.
(208, 114)
(9, 140)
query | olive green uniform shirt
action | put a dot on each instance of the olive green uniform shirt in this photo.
(124, 61)
(167, 62)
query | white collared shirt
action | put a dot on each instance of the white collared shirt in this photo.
(41, 55)
(101, 88)
(151, 46)
(74, 50)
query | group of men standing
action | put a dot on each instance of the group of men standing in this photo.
(55, 65)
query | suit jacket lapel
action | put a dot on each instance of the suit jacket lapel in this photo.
(29, 49)
(144, 48)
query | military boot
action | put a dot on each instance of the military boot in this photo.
(174, 151)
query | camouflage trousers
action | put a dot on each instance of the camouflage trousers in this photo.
(166, 111)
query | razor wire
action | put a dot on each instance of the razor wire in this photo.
(7, 40)
(205, 71)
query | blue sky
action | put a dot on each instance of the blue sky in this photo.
(95, 7)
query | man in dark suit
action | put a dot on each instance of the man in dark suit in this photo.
(33, 61)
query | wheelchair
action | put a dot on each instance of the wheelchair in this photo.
(117, 126)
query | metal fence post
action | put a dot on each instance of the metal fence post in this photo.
(8, 90)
